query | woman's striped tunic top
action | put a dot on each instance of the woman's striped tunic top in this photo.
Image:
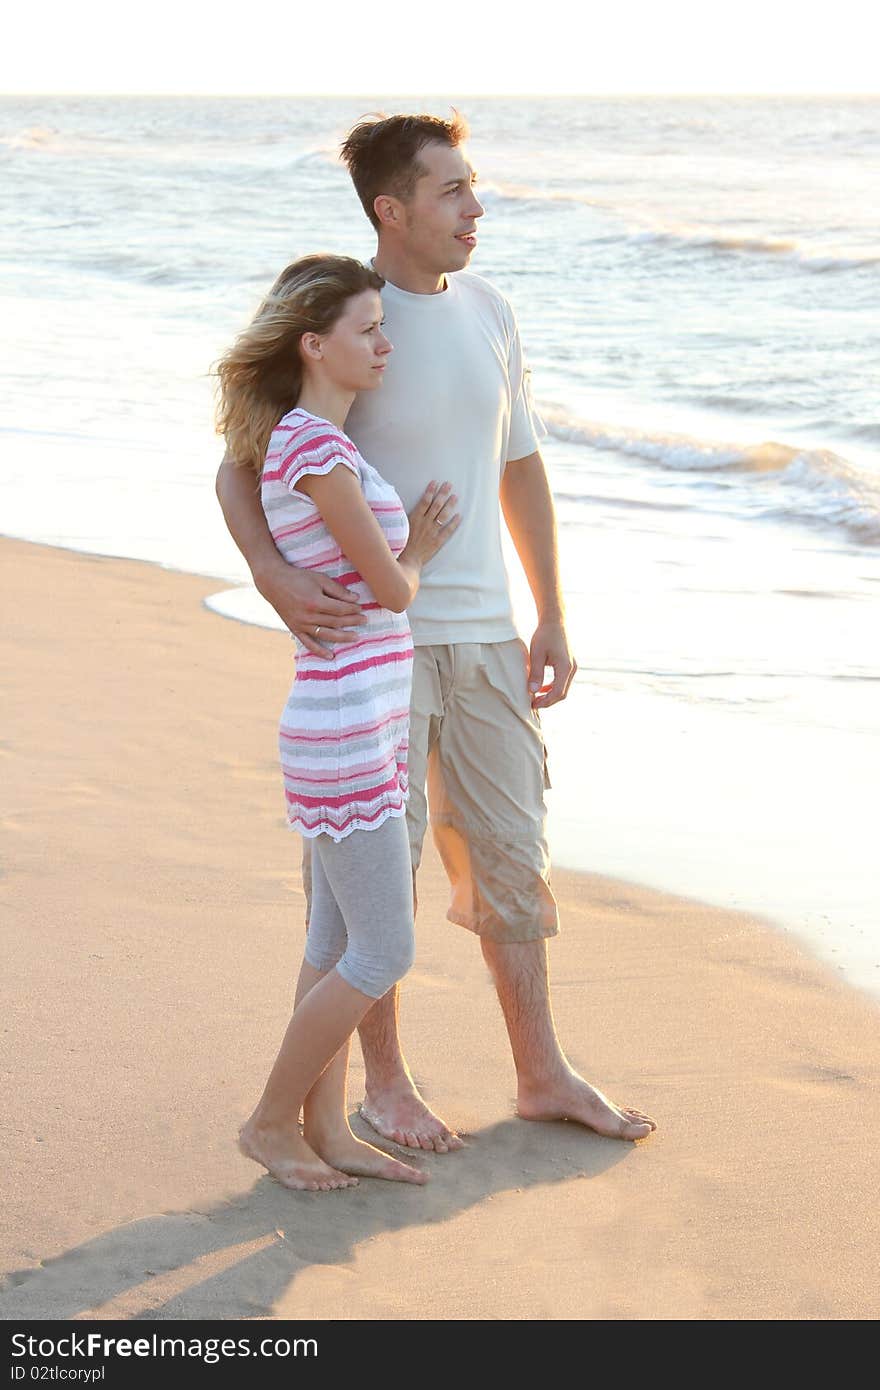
(345, 728)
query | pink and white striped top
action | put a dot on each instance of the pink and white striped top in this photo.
(345, 728)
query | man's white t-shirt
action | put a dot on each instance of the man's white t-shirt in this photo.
(454, 405)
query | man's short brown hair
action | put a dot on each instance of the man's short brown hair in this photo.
(382, 153)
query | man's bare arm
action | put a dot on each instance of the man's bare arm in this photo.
(302, 599)
(527, 504)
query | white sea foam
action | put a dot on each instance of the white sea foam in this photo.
(34, 137)
(813, 484)
(641, 227)
(492, 193)
(818, 259)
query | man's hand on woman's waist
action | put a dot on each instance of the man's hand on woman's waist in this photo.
(318, 610)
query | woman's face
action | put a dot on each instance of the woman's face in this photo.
(355, 350)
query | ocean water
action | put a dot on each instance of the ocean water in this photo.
(698, 287)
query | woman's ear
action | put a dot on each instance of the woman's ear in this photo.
(311, 346)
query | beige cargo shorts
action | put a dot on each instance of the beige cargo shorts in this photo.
(478, 771)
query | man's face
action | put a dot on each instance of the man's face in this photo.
(441, 216)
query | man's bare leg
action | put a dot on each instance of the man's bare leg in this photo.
(392, 1105)
(548, 1087)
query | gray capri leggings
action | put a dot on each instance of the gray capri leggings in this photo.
(361, 918)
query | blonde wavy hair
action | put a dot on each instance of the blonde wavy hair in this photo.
(261, 376)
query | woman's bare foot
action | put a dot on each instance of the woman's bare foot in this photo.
(290, 1159)
(345, 1151)
(572, 1098)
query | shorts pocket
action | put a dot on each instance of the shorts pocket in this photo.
(505, 668)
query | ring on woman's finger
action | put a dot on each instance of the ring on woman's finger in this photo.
(317, 633)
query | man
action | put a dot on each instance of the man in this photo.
(455, 406)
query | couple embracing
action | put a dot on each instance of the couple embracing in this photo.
(386, 413)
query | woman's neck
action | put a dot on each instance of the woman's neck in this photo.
(327, 401)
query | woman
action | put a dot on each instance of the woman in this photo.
(286, 388)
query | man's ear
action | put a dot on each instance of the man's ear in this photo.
(388, 210)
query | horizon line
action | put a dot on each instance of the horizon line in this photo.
(464, 96)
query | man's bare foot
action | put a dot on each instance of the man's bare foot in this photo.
(571, 1098)
(346, 1152)
(398, 1112)
(290, 1160)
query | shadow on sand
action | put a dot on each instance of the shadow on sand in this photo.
(238, 1257)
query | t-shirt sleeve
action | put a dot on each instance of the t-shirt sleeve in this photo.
(526, 426)
(319, 456)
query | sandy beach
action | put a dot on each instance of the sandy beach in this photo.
(152, 912)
